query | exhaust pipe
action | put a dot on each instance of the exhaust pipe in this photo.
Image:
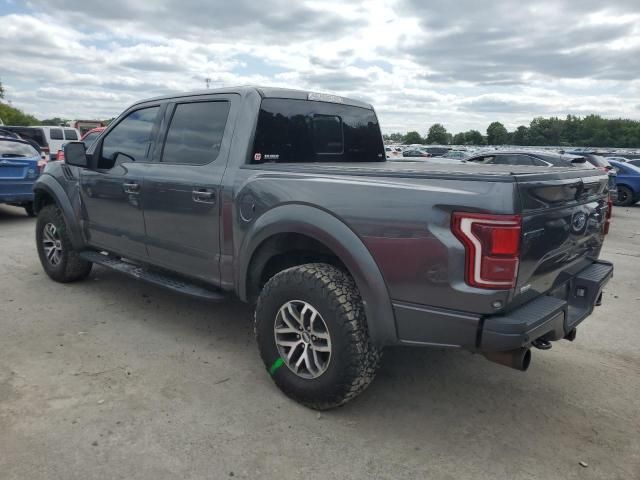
(520, 358)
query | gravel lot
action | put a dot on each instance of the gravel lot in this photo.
(111, 378)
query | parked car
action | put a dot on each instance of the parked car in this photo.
(456, 155)
(84, 126)
(20, 165)
(601, 163)
(628, 181)
(415, 153)
(88, 138)
(49, 139)
(285, 199)
(8, 134)
(528, 158)
(617, 159)
(436, 151)
(635, 162)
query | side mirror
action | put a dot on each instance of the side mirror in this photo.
(75, 153)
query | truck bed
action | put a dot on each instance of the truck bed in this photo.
(426, 169)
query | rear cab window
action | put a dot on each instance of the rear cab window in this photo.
(305, 131)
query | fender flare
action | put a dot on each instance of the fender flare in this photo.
(50, 185)
(343, 242)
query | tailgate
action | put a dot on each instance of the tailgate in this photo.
(18, 169)
(562, 229)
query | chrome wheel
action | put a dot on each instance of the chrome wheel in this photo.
(302, 339)
(52, 244)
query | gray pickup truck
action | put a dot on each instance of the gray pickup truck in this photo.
(286, 199)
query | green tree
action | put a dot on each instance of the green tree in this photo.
(54, 122)
(437, 134)
(13, 116)
(411, 138)
(459, 139)
(521, 136)
(497, 134)
(473, 137)
(393, 137)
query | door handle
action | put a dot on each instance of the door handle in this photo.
(131, 187)
(203, 196)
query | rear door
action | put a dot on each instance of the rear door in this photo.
(181, 193)
(562, 228)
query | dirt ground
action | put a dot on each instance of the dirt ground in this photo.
(114, 379)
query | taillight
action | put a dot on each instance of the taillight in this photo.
(607, 218)
(492, 245)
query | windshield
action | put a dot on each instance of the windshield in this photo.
(308, 131)
(597, 160)
(16, 149)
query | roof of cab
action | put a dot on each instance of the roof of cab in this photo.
(264, 92)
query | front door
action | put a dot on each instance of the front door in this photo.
(113, 215)
(181, 192)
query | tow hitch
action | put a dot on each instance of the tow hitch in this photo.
(541, 344)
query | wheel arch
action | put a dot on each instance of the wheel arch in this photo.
(335, 238)
(48, 190)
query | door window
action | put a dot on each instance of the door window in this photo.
(195, 133)
(132, 137)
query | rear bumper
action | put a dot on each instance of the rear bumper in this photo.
(16, 198)
(549, 317)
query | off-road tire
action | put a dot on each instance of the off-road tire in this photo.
(354, 359)
(71, 267)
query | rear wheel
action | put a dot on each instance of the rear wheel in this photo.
(625, 197)
(57, 256)
(312, 335)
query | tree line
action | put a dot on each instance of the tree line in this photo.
(589, 131)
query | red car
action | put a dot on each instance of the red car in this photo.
(88, 139)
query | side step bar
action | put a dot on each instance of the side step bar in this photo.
(158, 278)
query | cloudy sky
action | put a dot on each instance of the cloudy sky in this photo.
(463, 63)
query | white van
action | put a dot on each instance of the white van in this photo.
(49, 138)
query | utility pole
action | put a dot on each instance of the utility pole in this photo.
(207, 81)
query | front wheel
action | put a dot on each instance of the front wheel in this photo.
(57, 256)
(312, 335)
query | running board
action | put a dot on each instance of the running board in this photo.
(154, 277)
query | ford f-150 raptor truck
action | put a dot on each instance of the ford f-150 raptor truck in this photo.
(286, 199)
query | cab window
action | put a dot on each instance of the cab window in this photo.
(131, 137)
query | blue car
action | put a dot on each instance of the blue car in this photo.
(20, 166)
(628, 181)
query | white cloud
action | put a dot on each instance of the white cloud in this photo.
(417, 62)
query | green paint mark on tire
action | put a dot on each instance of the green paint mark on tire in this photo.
(276, 365)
